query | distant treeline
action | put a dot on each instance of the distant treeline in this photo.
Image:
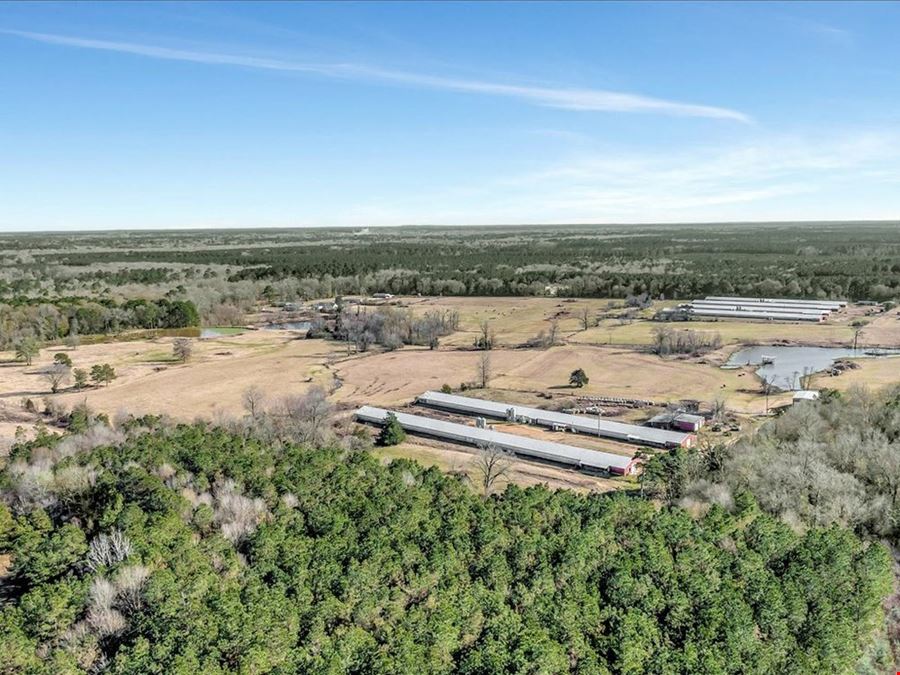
(69, 317)
(854, 261)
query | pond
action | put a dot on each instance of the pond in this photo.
(290, 325)
(221, 331)
(788, 364)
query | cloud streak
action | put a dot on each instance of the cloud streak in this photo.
(576, 99)
(773, 178)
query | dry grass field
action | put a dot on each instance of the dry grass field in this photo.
(221, 369)
(396, 378)
(872, 373)
(149, 381)
(516, 320)
(732, 332)
(513, 320)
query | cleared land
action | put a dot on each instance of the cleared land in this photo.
(150, 381)
(517, 320)
(222, 368)
(397, 377)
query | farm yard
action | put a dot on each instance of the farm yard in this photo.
(272, 429)
(211, 384)
(544, 320)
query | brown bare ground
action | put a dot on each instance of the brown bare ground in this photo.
(213, 381)
(396, 378)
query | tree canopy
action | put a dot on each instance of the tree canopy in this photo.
(190, 549)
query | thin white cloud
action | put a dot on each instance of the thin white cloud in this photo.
(773, 178)
(592, 100)
(830, 33)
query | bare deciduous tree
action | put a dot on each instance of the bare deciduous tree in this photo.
(553, 333)
(585, 318)
(305, 419)
(486, 336)
(483, 370)
(182, 349)
(253, 400)
(108, 549)
(491, 465)
(56, 375)
(719, 411)
(236, 514)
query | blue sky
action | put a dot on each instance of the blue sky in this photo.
(140, 115)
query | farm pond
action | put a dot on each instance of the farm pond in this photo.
(784, 367)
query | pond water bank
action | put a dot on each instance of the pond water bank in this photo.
(784, 367)
(220, 331)
(289, 325)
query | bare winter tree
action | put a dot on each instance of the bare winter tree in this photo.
(307, 418)
(182, 349)
(253, 400)
(107, 550)
(56, 375)
(491, 465)
(553, 333)
(486, 336)
(483, 370)
(585, 318)
(719, 411)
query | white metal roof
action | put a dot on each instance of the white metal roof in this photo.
(806, 395)
(834, 304)
(520, 445)
(759, 307)
(740, 314)
(629, 433)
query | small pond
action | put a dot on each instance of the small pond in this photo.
(290, 325)
(213, 332)
(790, 363)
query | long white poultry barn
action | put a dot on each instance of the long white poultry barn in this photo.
(728, 313)
(787, 302)
(619, 431)
(558, 453)
(758, 307)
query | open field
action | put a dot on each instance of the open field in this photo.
(732, 332)
(211, 382)
(395, 378)
(513, 320)
(516, 320)
(872, 373)
(222, 368)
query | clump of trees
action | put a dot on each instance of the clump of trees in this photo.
(192, 544)
(830, 463)
(31, 321)
(392, 328)
(667, 340)
(103, 374)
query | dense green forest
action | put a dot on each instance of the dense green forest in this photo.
(847, 260)
(190, 549)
